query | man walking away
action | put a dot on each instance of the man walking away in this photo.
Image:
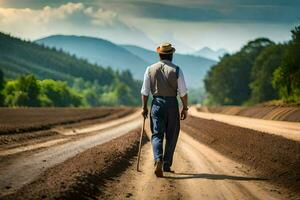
(164, 80)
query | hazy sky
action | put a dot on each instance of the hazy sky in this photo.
(189, 24)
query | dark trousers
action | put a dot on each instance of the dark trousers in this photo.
(164, 121)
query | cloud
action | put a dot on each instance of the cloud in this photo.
(71, 13)
(69, 18)
(274, 11)
(214, 11)
(189, 24)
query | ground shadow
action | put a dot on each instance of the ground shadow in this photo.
(212, 177)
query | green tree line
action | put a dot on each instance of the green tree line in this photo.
(261, 71)
(28, 91)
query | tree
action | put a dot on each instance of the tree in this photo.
(253, 48)
(22, 92)
(262, 74)
(134, 86)
(59, 94)
(124, 94)
(287, 77)
(91, 98)
(228, 81)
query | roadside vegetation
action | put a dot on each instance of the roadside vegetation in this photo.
(261, 71)
(28, 91)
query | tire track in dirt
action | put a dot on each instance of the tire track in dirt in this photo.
(290, 130)
(141, 185)
(205, 173)
(200, 173)
(24, 168)
(69, 133)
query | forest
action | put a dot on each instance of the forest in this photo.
(28, 91)
(261, 71)
(34, 75)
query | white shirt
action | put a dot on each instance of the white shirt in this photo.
(182, 89)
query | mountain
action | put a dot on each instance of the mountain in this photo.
(194, 67)
(134, 58)
(207, 52)
(18, 57)
(98, 51)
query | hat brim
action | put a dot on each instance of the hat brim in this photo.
(158, 50)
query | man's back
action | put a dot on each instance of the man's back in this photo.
(163, 78)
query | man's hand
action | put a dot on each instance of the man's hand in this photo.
(184, 110)
(145, 108)
(183, 114)
(145, 112)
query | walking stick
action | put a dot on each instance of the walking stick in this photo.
(140, 145)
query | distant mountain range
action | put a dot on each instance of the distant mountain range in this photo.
(134, 58)
(207, 52)
(194, 67)
(97, 50)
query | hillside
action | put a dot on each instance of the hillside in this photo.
(98, 51)
(19, 57)
(194, 67)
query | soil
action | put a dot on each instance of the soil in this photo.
(84, 175)
(270, 156)
(269, 112)
(39, 128)
(20, 120)
(200, 173)
(213, 160)
(23, 164)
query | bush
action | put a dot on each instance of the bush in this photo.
(22, 92)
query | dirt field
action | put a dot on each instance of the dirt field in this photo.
(282, 113)
(84, 175)
(97, 160)
(200, 173)
(22, 163)
(19, 120)
(270, 156)
(36, 124)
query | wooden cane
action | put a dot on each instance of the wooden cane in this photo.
(140, 145)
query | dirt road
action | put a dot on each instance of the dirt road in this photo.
(200, 173)
(290, 130)
(24, 165)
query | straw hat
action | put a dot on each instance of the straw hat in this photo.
(165, 48)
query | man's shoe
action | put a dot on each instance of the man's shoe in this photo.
(168, 170)
(158, 169)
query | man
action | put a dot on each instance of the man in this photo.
(164, 80)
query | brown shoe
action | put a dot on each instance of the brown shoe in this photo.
(158, 169)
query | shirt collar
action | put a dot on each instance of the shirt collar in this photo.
(165, 61)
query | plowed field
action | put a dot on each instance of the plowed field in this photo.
(96, 159)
